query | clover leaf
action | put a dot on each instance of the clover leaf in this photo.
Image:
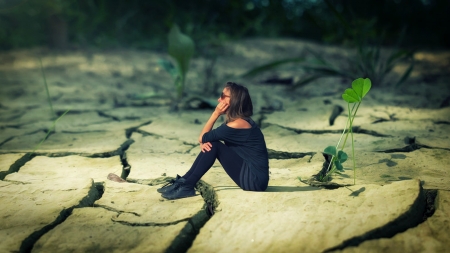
(351, 96)
(330, 150)
(339, 166)
(361, 86)
(342, 156)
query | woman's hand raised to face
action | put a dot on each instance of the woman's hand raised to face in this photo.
(205, 146)
(221, 108)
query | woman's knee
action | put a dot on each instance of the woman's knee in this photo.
(216, 144)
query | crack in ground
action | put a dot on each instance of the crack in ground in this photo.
(380, 120)
(29, 133)
(116, 152)
(410, 148)
(115, 210)
(144, 133)
(422, 208)
(83, 132)
(190, 144)
(100, 189)
(430, 197)
(355, 129)
(183, 241)
(16, 182)
(29, 242)
(129, 131)
(187, 235)
(8, 139)
(15, 167)
(273, 154)
(102, 114)
(150, 224)
(14, 116)
(260, 119)
(312, 156)
(126, 167)
(18, 126)
(124, 146)
(209, 196)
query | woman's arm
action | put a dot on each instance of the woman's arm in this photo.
(221, 108)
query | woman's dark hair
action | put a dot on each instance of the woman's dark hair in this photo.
(240, 102)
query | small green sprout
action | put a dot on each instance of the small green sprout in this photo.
(354, 95)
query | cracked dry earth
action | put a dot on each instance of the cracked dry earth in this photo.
(63, 197)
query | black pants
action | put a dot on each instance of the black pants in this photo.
(231, 162)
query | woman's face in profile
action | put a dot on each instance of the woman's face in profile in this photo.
(225, 96)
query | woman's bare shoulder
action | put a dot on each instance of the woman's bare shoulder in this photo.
(239, 124)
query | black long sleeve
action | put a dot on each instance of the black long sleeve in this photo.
(250, 145)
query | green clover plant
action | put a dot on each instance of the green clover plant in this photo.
(354, 96)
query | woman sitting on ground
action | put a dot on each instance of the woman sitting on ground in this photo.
(243, 153)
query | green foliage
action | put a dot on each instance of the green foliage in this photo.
(368, 63)
(181, 48)
(339, 157)
(143, 24)
(331, 150)
(368, 59)
(360, 88)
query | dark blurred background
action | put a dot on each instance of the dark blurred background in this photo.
(144, 24)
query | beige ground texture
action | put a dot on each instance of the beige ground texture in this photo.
(65, 194)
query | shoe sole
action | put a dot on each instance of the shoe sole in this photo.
(179, 197)
(162, 191)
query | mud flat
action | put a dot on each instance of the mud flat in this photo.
(58, 196)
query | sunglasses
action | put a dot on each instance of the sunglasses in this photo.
(223, 96)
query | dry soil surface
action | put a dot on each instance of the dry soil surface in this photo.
(112, 117)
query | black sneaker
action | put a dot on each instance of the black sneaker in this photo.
(180, 191)
(169, 186)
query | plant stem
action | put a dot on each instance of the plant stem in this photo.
(351, 122)
(330, 171)
(46, 88)
(350, 128)
(346, 126)
(353, 146)
(333, 158)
